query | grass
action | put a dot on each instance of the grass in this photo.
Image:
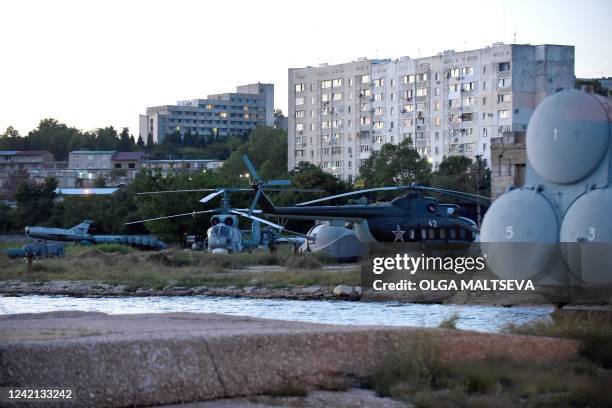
(593, 329)
(450, 322)
(415, 374)
(116, 264)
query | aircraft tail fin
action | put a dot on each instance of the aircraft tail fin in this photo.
(82, 228)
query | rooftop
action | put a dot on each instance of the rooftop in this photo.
(128, 156)
(93, 152)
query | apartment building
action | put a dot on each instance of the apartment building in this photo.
(15, 166)
(218, 115)
(452, 103)
(170, 166)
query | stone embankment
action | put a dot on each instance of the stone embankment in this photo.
(95, 289)
(156, 359)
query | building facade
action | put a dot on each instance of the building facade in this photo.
(453, 103)
(182, 165)
(218, 115)
(16, 166)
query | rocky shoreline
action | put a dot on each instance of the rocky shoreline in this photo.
(99, 289)
(313, 292)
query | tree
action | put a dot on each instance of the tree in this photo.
(54, 137)
(150, 141)
(462, 174)
(100, 181)
(125, 145)
(35, 202)
(395, 165)
(140, 142)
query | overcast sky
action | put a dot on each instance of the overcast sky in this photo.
(98, 63)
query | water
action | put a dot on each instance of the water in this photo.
(472, 317)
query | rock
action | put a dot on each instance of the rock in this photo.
(311, 290)
(357, 290)
(249, 289)
(343, 290)
(200, 289)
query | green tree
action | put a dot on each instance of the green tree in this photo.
(125, 144)
(100, 181)
(395, 165)
(462, 174)
(54, 137)
(35, 202)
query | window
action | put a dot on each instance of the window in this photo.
(364, 148)
(484, 86)
(504, 82)
(337, 123)
(408, 94)
(299, 127)
(117, 165)
(365, 92)
(379, 111)
(326, 84)
(437, 120)
(408, 108)
(337, 96)
(504, 66)
(325, 124)
(350, 82)
(437, 105)
(503, 114)
(484, 132)
(436, 137)
(454, 103)
(379, 125)
(325, 97)
(377, 139)
(421, 92)
(437, 91)
(299, 101)
(392, 83)
(467, 117)
(468, 86)
(392, 110)
(501, 98)
(484, 100)
(408, 79)
(421, 77)
(453, 88)
(365, 79)
(454, 73)
(379, 82)
(299, 87)
(378, 97)
(468, 101)
(337, 82)
(467, 71)
(299, 114)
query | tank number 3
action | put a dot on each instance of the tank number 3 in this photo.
(592, 234)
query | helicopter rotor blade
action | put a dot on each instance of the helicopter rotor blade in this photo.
(193, 213)
(176, 191)
(457, 194)
(298, 190)
(251, 168)
(211, 196)
(271, 224)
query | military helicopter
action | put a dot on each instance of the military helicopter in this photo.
(412, 217)
(224, 234)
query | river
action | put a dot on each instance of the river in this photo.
(471, 317)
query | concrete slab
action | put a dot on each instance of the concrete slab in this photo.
(156, 359)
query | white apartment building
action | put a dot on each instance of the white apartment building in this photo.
(453, 103)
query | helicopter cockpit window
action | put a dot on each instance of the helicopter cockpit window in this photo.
(221, 230)
(423, 234)
(432, 234)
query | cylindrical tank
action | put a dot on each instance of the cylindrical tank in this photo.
(519, 234)
(568, 135)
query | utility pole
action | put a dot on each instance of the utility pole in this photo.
(478, 164)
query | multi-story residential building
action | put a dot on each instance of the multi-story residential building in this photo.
(453, 103)
(218, 115)
(125, 166)
(182, 165)
(15, 166)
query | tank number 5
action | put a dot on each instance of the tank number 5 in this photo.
(509, 232)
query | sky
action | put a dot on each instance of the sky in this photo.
(98, 63)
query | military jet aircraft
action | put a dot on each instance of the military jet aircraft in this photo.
(80, 234)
